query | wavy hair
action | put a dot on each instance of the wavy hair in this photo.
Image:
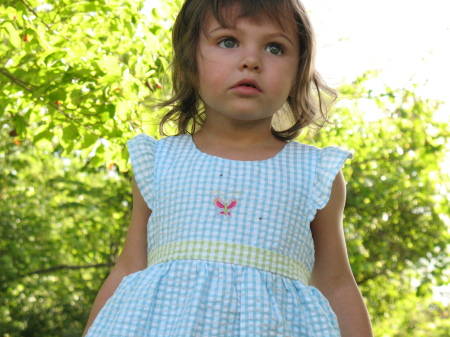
(307, 105)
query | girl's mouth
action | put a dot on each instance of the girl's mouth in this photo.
(247, 86)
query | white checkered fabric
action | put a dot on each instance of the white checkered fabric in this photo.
(230, 248)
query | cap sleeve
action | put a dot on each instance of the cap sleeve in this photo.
(142, 154)
(330, 161)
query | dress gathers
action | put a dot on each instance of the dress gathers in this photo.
(230, 249)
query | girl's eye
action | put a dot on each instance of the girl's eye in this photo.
(228, 43)
(275, 49)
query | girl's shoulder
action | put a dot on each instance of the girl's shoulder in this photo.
(323, 165)
(142, 140)
(323, 153)
(145, 148)
(147, 140)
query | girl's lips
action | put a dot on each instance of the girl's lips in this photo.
(247, 86)
(246, 90)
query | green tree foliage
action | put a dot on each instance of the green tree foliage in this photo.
(78, 71)
(62, 225)
(73, 76)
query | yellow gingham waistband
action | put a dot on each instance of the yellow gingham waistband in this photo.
(233, 253)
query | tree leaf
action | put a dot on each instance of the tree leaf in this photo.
(70, 133)
(20, 125)
(11, 34)
(44, 135)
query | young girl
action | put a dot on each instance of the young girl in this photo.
(245, 235)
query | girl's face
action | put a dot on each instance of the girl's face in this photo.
(247, 71)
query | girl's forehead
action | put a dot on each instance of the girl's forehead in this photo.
(229, 16)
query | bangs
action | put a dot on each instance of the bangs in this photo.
(227, 12)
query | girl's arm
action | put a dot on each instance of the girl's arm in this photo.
(133, 257)
(332, 274)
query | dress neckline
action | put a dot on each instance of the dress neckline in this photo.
(196, 149)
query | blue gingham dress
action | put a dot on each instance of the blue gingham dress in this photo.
(229, 243)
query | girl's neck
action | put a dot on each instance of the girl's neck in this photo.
(237, 144)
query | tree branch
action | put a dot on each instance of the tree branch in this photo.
(30, 88)
(34, 13)
(27, 86)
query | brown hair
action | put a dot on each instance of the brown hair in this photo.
(303, 108)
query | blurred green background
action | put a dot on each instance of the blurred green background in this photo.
(74, 79)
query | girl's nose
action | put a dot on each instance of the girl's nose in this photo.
(251, 62)
(251, 67)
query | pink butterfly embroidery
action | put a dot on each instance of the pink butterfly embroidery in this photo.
(224, 207)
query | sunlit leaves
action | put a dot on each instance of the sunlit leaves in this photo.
(71, 71)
